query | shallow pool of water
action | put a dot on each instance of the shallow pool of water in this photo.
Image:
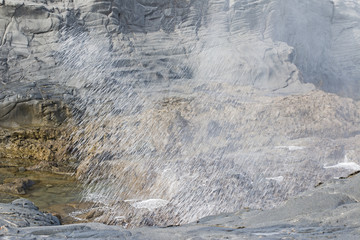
(59, 194)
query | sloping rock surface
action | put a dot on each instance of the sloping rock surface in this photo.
(330, 211)
(199, 99)
(267, 44)
(23, 213)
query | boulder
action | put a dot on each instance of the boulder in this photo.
(23, 213)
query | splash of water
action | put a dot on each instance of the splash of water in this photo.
(183, 123)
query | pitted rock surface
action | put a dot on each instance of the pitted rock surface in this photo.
(23, 213)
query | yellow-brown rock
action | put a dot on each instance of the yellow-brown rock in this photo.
(34, 134)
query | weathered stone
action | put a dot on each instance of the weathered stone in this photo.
(24, 203)
(17, 186)
(204, 45)
(32, 114)
(34, 133)
(330, 211)
(23, 213)
(259, 151)
(173, 26)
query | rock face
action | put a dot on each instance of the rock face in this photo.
(233, 152)
(32, 109)
(18, 186)
(32, 114)
(33, 134)
(271, 44)
(210, 105)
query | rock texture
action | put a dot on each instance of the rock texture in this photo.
(269, 45)
(237, 151)
(330, 211)
(32, 109)
(58, 194)
(17, 186)
(23, 213)
(34, 135)
(32, 114)
(208, 105)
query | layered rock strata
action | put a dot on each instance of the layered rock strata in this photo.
(185, 99)
(174, 154)
(34, 135)
(269, 45)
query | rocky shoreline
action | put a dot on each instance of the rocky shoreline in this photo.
(34, 135)
(332, 210)
(36, 159)
(208, 106)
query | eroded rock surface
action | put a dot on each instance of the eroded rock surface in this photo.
(23, 213)
(206, 153)
(34, 135)
(189, 102)
(16, 186)
(267, 44)
(330, 211)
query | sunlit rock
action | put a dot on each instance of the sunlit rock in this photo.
(23, 213)
(202, 104)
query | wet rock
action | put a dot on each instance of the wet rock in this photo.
(163, 41)
(91, 215)
(258, 154)
(24, 203)
(30, 37)
(32, 114)
(17, 186)
(75, 212)
(23, 213)
(329, 211)
(34, 135)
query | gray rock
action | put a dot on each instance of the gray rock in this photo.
(33, 113)
(276, 46)
(187, 35)
(23, 213)
(330, 211)
(22, 202)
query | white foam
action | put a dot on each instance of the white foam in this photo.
(291, 148)
(278, 179)
(345, 165)
(150, 204)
